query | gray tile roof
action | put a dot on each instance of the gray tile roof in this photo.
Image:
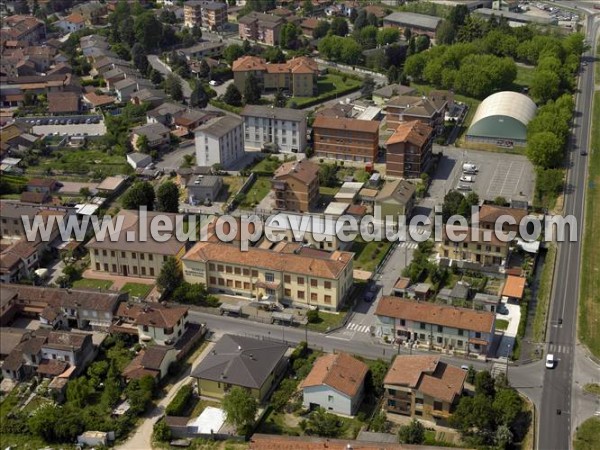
(295, 115)
(219, 126)
(241, 361)
(414, 20)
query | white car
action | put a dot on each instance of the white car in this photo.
(213, 82)
(464, 187)
(550, 361)
(467, 178)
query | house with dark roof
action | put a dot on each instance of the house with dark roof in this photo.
(416, 23)
(423, 387)
(156, 133)
(384, 93)
(335, 383)
(253, 364)
(406, 108)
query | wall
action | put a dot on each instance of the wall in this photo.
(327, 398)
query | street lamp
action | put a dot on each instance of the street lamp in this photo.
(507, 356)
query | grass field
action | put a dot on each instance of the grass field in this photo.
(368, 254)
(524, 77)
(326, 321)
(89, 283)
(80, 162)
(501, 324)
(257, 192)
(589, 306)
(543, 295)
(592, 388)
(137, 289)
(587, 436)
(329, 191)
(330, 86)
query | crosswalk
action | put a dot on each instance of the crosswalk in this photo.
(557, 348)
(409, 245)
(358, 327)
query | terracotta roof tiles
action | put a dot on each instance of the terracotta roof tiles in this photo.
(340, 371)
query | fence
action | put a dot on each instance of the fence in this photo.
(243, 190)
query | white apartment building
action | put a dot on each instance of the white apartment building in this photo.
(219, 141)
(277, 129)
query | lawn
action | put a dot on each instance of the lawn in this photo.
(368, 255)
(266, 165)
(80, 162)
(587, 436)
(501, 324)
(330, 86)
(256, 193)
(524, 77)
(89, 283)
(137, 289)
(279, 423)
(326, 321)
(543, 295)
(592, 388)
(589, 307)
(231, 185)
(329, 191)
(35, 403)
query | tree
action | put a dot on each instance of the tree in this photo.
(452, 204)
(372, 20)
(422, 43)
(321, 423)
(321, 29)
(446, 33)
(240, 408)
(199, 97)
(232, 96)
(173, 87)
(392, 75)
(252, 89)
(375, 376)
(413, 433)
(85, 192)
(484, 383)
(379, 424)
(508, 405)
(339, 26)
(142, 143)
(148, 30)
(307, 7)
(544, 149)
(290, 36)
(351, 52)
(312, 316)
(197, 32)
(170, 276)
(161, 431)
(233, 52)
(204, 69)
(156, 77)
(140, 58)
(361, 20)
(387, 36)
(368, 86)
(274, 55)
(194, 294)
(167, 197)
(140, 194)
(545, 85)
(279, 101)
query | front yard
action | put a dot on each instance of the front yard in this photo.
(256, 193)
(368, 255)
(326, 321)
(137, 289)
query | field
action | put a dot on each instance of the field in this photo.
(90, 283)
(256, 193)
(589, 307)
(524, 77)
(368, 255)
(80, 162)
(137, 289)
(326, 321)
(587, 436)
(330, 86)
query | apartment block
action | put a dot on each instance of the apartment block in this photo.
(219, 141)
(295, 186)
(210, 15)
(285, 273)
(432, 326)
(406, 108)
(346, 139)
(477, 246)
(409, 150)
(319, 232)
(423, 387)
(261, 27)
(490, 214)
(275, 129)
(298, 75)
(132, 254)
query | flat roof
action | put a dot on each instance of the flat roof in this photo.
(336, 208)
(210, 421)
(414, 20)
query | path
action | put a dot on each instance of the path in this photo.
(142, 439)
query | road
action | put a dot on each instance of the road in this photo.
(163, 68)
(555, 423)
(172, 161)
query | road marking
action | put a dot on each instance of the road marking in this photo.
(358, 328)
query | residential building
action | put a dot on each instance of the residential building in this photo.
(423, 387)
(397, 197)
(319, 232)
(210, 15)
(236, 361)
(94, 12)
(514, 289)
(382, 95)
(188, 121)
(71, 23)
(489, 215)
(139, 160)
(286, 273)
(298, 75)
(295, 185)
(220, 141)
(204, 188)
(346, 139)
(11, 223)
(165, 113)
(135, 257)
(433, 326)
(408, 152)
(416, 23)
(474, 247)
(261, 27)
(45, 185)
(277, 129)
(207, 49)
(67, 102)
(161, 324)
(406, 108)
(127, 87)
(335, 383)
(23, 28)
(17, 261)
(153, 361)
(156, 134)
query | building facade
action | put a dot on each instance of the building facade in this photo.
(261, 27)
(409, 150)
(277, 129)
(473, 247)
(295, 186)
(426, 110)
(219, 141)
(346, 139)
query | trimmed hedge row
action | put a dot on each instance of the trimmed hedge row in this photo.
(180, 402)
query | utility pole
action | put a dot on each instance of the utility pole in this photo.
(507, 356)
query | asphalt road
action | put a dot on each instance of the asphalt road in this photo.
(163, 68)
(556, 406)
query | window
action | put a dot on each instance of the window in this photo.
(142, 256)
(237, 270)
(246, 272)
(440, 329)
(422, 336)
(255, 273)
(301, 294)
(211, 266)
(313, 297)
(134, 255)
(220, 268)
(212, 280)
(150, 257)
(328, 299)
(459, 343)
(300, 280)
(327, 285)
(269, 276)
(228, 269)
(423, 325)
(246, 285)
(165, 257)
(97, 266)
(314, 283)
(122, 254)
(168, 331)
(96, 251)
(438, 406)
(418, 401)
(151, 271)
(238, 284)
(135, 270)
(287, 292)
(497, 249)
(114, 267)
(330, 398)
(221, 282)
(143, 271)
(112, 254)
(145, 328)
(402, 322)
(287, 278)
(229, 283)
(439, 339)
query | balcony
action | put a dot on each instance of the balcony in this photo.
(278, 185)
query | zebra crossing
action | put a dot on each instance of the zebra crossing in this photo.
(409, 245)
(557, 348)
(358, 327)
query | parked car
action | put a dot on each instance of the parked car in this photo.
(464, 187)
(213, 83)
(550, 361)
(467, 178)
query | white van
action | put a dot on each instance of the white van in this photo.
(469, 168)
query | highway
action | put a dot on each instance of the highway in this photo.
(554, 429)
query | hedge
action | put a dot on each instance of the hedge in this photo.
(180, 402)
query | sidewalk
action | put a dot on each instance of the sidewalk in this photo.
(142, 438)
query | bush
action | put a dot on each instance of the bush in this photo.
(161, 432)
(180, 402)
(312, 316)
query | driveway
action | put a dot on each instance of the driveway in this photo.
(220, 89)
(173, 160)
(163, 68)
(508, 338)
(142, 438)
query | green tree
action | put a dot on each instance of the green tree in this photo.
(321, 29)
(322, 423)
(140, 194)
(375, 376)
(279, 100)
(351, 52)
(379, 424)
(392, 75)
(232, 96)
(452, 204)
(204, 69)
(290, 36)
(173, 87)
(233, 52)
(387, 36)
(161, 431)
(368, 86)
(508, 405)
(170, 276)
(156, 77)
(307, 8)
(339, 26)
(446, 33)
(415, 65)
(422, 43)
(148, 30)
(545, 149)
(140, 58)
(361, 20)
(545, 85)
(142, 143)
(274, 55)
(79, 392)
(252, 89)
(167, 197)
(240, 408)
(413, 433)
(485, 384)
(85, 192)
(367, 36)
(312, 316)
(199, 97)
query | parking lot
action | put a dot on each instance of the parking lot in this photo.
(82, 129)
(500, 175)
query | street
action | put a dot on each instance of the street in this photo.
(163, 68)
